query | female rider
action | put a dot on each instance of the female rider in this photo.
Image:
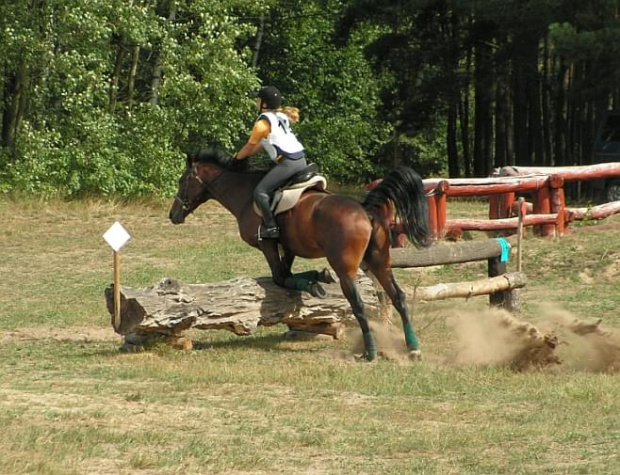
(272, 133)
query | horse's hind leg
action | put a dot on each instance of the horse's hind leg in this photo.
(349, 289)
(398, 298)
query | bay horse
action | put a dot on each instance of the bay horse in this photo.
(347, 232)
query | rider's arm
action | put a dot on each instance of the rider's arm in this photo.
(261, 130)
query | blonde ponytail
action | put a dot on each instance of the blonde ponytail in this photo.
(292, 114)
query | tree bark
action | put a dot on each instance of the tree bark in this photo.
(239, 305)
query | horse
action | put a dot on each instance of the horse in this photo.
(349, 233)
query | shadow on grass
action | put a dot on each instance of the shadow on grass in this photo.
(267, 342)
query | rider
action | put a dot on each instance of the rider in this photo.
(272, 133)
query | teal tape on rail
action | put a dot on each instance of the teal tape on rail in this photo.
(505, 245)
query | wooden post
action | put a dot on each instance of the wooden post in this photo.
(542, 205)
(117, 290)
(442, 207)
(521, 213)
(493, 206)
(497, 267)
(505, 204)
(432, 216)
(117, 236)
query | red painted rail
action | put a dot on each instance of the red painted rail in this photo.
(547, 211)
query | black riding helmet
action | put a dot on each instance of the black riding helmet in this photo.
(270, 96)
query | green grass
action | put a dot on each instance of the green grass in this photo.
(71, 403)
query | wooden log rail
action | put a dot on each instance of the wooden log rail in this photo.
(495, 251)
(504, 187)
(546, 184)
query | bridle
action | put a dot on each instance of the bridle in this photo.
(186, 205)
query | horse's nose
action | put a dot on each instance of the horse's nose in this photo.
(176, 218)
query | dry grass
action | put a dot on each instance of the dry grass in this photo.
(70, 403)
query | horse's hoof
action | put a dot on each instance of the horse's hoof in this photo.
(318, 291)
(326, 276)
(367, 357)
(415, 355)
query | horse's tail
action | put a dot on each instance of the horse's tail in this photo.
(404, 188)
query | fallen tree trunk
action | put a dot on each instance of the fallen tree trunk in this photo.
(239, 305)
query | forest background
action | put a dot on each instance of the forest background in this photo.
(107, 96)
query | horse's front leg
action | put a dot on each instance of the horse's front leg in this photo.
(280, 269)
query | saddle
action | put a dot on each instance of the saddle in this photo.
(287, 196)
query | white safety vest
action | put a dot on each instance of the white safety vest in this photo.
(281, 141)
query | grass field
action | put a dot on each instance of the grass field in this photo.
(71, 403)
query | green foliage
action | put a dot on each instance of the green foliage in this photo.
(106, 96)
(333, 86)
(93, 125)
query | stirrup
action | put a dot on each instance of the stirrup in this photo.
(268, 233)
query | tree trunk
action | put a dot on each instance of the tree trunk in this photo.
(259, 42)
(14, 106)
(135, 55)
(560, 115)
(453, 155)
(520, 127)
(493, 285)
(483, 118)
(464, 116)
(502, 107)
(158, 68)
(116, 73)
(546, 106)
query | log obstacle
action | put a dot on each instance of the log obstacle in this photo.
(170, 308)
(495, 251)
(166, 310)
(493, 285)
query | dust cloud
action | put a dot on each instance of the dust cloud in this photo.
(554, 340)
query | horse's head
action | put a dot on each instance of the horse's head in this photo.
(198, 182)
(192, 193)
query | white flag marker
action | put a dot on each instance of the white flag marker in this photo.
(117, 236)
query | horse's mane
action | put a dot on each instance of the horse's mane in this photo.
(220, 158)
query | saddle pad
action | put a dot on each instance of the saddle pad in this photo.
(290, 196)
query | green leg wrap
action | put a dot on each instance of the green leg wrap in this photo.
(411, 339)
(301, 283)
(310, 275)
(370, 346)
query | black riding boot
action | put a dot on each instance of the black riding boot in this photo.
(269, 230)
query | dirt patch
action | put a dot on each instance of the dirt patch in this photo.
(77, 334)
